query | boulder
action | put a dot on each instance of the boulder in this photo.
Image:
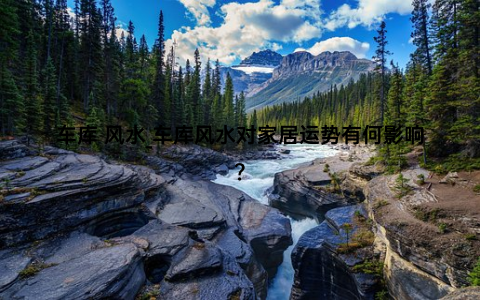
(470, 293)
(321, 272)
(294, 193)
(112, 272)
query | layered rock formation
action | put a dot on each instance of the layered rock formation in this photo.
(307, 191)
(74, 226)
(421, 261)
(323, 272)
(294, 193)
(425, 242)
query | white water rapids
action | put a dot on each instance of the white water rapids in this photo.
(256, 179)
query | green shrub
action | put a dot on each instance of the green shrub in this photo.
(442, 227)
(29, 271)
(401, 186)
(471, 237)
(476, 189)
(372, 267)
(421, 179)
(381, 295)
(474, 275)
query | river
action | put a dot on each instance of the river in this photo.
(257, 179)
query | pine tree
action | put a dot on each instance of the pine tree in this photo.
(158, 94)
(49, 99)
(194, 91)
(143, 57)
(131, 51)
(254, 124)
(381, 58)
(179, 96)
(207, 94)
(9, 29)
(33, 106)
(91, 59)
(110, 54)
(420, 35)
(395, 115)
(228, 103)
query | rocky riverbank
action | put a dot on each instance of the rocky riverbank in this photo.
(417, 245)
(76, 226)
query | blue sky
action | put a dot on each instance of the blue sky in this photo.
(232, 30)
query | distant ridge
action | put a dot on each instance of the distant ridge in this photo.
(301, 74)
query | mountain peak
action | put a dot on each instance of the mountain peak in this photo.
(265, 58)
(343, 55)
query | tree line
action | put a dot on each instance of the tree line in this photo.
(439, 89)
(58, 68)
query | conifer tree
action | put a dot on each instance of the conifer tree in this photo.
(228, 103)
(49, 100)
(420, 35)
(381, 58)
(33, 107)
(158, 94)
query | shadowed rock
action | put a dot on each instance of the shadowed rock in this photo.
(75, 226)
(323, 273)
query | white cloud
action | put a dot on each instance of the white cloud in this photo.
(339, 44)
(367, 13)
(249, 27)
(199, 10)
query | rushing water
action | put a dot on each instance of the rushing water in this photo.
(256, 179)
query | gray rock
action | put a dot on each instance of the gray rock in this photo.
(94, 190)
(321, 272)
(194, 262)
(114, 272)
(11, 264)
(294, 194)
(230, 283)
(163, 239)
(190, 214)
(13, 150)
(470, 293)
(222, 169)
(98, 229)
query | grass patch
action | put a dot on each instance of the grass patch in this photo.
(326, 169)
(454, 163)
(471, 237)
(152, 295)
(380, 204)
(421, 179)
(476, 189)
(363, 237)
(33, 269)
(442, 227)
(425, 215)
(382, 295)
(199, 246)
(34, 192)
(474, 275)
(371, 267)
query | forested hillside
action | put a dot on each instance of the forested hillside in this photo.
(439, 90)
(77, 69)
(59, 68)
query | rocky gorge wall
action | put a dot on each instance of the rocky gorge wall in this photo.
(77, 226)
(416, 261)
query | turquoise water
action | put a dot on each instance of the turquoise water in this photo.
(256, 179)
